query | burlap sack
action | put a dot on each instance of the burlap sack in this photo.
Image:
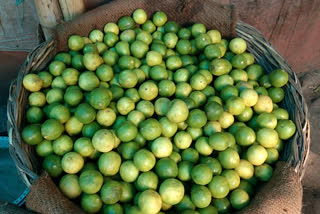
(208, 12)
(282, 194)
(45, 197)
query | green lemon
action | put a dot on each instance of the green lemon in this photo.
(178, 111)
(239, 199)
(88, 130)
(203, 147)
(46, 78)
(150, 129)
(128, 191)
(139, 16)
(90, 181)
(159, 18)
(147, 180)
(88, 81)
(139, 49)
(128, 79)
(161, 147)
(212, 51)
(150, 202)
(232, 178)
(218, 141)
(245, 169)
(91, 203)
(75, 43)
(219, 187)
(111, 192)
(229, 158)
(200, 196)
(50, 130)
(52, 164)
(184, 33)
(246, 115)
(83, 146)
(109, 163)
(257, 155)
(222, 204)
(223, 81)
(146, 107)
(213, 163)
(149, 26)
(245, 136)
(238, 45)
(278, 78)
(92, 61)
(148, 90)
(197, 29)
(103, 140)
(32, 134)
(161, 106)
(171, 191)
(166, 168)
(184, 170)
(239, 61)
(276, 94)
(69, 186)
(111, 27)
(125, 23)
(72, 162)
(62, 145)
(158, 73)
(213, 110)
(128, 171)
(264, 104)
(235, 105)
(183, 90)
(249, 97)
(267, 137)
(153, 58)
(106, 117)
(183, 47)
(144, 160)
(182, 140)
(125, 105)
(136, 117)
(273, 155)
(254, 72)
(44, 148)
(263, 172)
(73, 126)
(219, 67)
(285, 129)
(201, 174)
(126, 131)
(246, 186)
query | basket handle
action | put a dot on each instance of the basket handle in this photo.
(214, 15)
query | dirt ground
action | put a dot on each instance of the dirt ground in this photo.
(310, 81)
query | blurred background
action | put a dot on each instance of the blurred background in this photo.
(292, 27)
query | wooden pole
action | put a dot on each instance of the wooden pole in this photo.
(50, 15)
(71, 8)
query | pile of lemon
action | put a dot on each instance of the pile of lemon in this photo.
(147, 116)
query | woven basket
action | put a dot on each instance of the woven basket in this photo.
(295, 151)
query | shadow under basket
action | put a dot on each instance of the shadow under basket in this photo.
(295, 150)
